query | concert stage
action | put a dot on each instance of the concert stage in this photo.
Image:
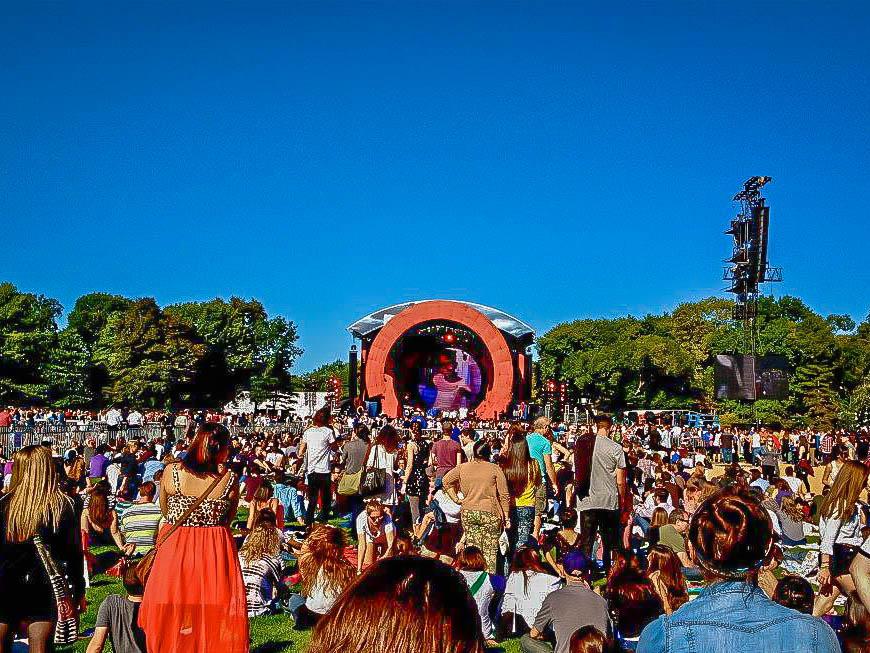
(444, 355)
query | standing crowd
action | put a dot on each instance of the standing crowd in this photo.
(430, 533)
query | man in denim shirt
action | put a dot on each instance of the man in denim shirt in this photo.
(730, 538)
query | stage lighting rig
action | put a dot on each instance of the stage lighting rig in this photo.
(748, 263)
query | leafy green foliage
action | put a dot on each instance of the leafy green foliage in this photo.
(317, 380)
(67, 371)
(149, 357)
(666, 361)
(27, 333)
(91, 313)
(126, 351)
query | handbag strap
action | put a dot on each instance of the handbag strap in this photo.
(373, 447)
(187, 513)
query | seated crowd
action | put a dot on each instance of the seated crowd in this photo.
(450, 537)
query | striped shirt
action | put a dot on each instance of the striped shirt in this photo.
(139, 525)
(261, 577)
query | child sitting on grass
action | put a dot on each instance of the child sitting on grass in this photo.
(118, 619)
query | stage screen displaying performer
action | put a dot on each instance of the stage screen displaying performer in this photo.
(439, 367)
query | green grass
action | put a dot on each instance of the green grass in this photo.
(271, 634)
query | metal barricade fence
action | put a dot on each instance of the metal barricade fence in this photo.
(64, 436)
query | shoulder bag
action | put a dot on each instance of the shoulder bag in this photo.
(143, 567)
(66, 628)
(374, 479)
(348, 485)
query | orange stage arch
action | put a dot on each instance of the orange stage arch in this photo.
(378, 371)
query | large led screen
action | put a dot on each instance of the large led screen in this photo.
(439, 366)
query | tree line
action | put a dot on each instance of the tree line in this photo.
(667, 361)
(119, 350)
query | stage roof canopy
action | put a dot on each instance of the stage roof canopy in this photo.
(501, 320)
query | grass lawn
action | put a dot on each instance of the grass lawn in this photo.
(271, 634)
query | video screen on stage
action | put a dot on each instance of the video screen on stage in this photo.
(750, 377)
(440, 366)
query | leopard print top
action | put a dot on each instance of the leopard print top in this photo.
(211, 512)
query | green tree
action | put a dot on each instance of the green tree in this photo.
(246, 349)
(91, 313)
(667, 361)
(28, 330)
(229, 329)
(317, 380)
(150, 358)
(67, 371)
(276, 351)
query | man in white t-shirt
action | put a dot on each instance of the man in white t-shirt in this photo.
(318, 443)
(135, 419)
(676, 435)
(113, 419)
(666, 439)
(793, 481)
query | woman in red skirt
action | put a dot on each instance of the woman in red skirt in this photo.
(195, 599)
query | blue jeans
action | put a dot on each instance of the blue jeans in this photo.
(294, 602)
(643, 522)
(726, 456)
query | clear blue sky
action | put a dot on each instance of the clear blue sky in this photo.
(552, 160)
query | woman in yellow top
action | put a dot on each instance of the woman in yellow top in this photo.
(528, 492)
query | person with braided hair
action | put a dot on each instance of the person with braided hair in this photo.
(730, 538)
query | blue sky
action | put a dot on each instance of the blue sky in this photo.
(552, 160)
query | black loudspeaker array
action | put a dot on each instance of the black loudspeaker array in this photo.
(352, 373)
(748, 263)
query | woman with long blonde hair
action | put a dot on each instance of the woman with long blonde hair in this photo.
(840, 521)
(325, 573)
(36, 506)
(261, 563)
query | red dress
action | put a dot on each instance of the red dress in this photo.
(194, 600)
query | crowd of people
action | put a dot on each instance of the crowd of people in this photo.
(433, 533)
(117, 418)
